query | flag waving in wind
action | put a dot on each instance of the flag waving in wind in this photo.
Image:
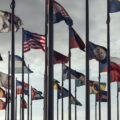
(18, 65)
(114, 6)
(59, 14)
(2, 105)
(33, 41)
(6, 21)
(97, 52)
(2, 93)
(74, 74)
(75, 40)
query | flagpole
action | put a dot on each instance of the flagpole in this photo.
(117, 102)
(22, 75)
(45, 76)
(28, 94)
(87, 108)
(50, 102)
(99, 94)
(20, 107)
(31, 102)
(13, 64)
(16, 99)
(57, 107)
(69, 99)
(62, 95)
(8, 81)
(95, 108)
(108, 62)
(75, 102)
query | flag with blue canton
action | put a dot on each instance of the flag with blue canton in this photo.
(75, 40)
(59, 14)
(18, 65)
(33, 41)
(97, 52)
(19, 87)
(114, 6)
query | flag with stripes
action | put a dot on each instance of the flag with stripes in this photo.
(33, 41)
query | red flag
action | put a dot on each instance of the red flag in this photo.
(2, 105)
(114, 76)
(75, 40)
(58, 58)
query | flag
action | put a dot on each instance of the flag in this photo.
(33, 41)
(18, 65)
(59, 58)
(79, 83)
(65, 92)
(19, 87)
(97, 52)
(6, 22)
(75, 40)
(103, 96)
(94, 87)
(2, 105)
(75, 101)
(2, 93)
(74, 74)
(1, 59)
(25, 103)
(114, 65)
(118, 86)
(114, 76)
(60, 14)
(4, 80)
(114, 6)
(56, 84)
(36, 95)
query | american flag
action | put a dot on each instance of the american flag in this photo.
(33, 41)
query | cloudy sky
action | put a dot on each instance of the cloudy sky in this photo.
(33, 17)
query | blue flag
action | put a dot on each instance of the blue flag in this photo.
(114, 6)
(18, 65)
(97, 52)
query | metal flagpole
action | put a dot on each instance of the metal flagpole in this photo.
(62, 95)
(75, 102)
(69, 99)
(50, 102)
(8, 83)
(87, 108)
(16, 100)
(22, 75)
(20, 107)
(31, 102)
(13, 64)
(28, 94)
(45, 76)
(99, 94)
(57, 107)
(108, 63)
(117, 102)
(95, 108)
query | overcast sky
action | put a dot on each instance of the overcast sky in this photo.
(32, 14)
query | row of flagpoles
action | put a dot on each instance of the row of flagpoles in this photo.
(36, 41)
